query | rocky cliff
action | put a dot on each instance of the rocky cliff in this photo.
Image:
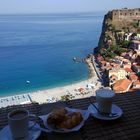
(113, 31)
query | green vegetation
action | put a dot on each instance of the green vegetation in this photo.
(138, 74)
(67, 97)
(125, 29)
(125, 43)
(135, 24)
(133, 35)
(112, 51)
(118, 30)
(119, 50)
(108, 37)
(106, 53)
(111, 27)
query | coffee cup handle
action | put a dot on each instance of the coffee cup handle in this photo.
(34, 121)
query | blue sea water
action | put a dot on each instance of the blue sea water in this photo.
(40, 48)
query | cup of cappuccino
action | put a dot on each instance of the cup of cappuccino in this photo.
(104, 98)
(19, 123)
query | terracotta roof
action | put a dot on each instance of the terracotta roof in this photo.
(133, 77)
(103, 62)
(122, 85)
(128, 69)
(136, 83)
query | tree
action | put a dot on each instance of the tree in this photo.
(133, 35)
(125, 43)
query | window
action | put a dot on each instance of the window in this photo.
(130, 14)
(125, 14)
(136, 13)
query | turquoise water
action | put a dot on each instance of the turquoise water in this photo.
(40, 48)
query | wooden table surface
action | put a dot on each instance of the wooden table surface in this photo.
(125, 128)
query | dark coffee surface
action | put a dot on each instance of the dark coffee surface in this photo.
(18, 115)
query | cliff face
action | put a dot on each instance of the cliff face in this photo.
(102, 40)
(108, 34)
(114, 30)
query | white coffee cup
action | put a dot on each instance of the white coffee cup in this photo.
(19, 123)
(104, 98)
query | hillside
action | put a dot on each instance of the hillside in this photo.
(115, 28)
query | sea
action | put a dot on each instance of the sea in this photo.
(37, 50)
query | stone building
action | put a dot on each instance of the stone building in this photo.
(125, 14)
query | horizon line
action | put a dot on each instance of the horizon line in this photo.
(34, 13)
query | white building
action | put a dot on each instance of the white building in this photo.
(128, 36)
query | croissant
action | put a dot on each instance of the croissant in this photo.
(57, 116)
(71, 120)
(60, 118)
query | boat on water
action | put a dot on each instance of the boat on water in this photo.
(28, 82)
(79, 60)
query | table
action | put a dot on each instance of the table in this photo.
(125, 128)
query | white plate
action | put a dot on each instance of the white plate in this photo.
(5, 133)
(115, 109)
(85, 115)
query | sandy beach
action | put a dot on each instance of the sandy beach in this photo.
(55, 94)
(85, 88)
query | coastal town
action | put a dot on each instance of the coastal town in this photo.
(118, 58)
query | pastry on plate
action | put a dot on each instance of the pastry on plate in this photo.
(62, 119)
(56, 116)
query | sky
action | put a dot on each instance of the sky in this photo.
(63, 6)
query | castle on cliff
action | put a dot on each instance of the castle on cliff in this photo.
(125, 14)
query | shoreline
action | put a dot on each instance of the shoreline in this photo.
(43, 95)
(42, 89)
(54, 94)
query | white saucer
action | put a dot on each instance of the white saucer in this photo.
(115, 109)
(5, 133)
